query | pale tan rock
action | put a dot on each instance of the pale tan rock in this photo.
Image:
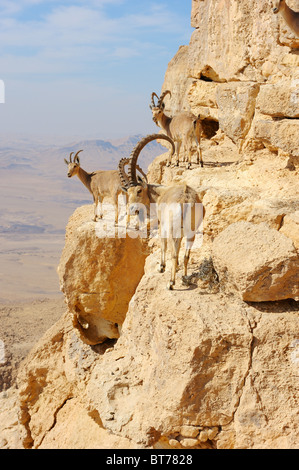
(243, 32)
(174, 443)
(189, 442)
(256, 262)
(93, 273)
(281, 134)
(189, 431)
(203, 436)
(10, 429)
(212, 433)
(271, 381)
(290, 227)
(280, 99)
(141, 389)
(133, 392)
(202, 93)
(177, 82)
(236, 103)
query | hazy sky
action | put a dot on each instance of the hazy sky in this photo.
(86, 68)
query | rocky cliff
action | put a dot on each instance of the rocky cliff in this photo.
(214, 364)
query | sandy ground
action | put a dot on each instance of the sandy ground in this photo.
(22, 325)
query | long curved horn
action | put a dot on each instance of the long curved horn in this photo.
(165, 93)
(136, 151)
(71, 156)
(77, 153)
(76, 156)
(123, 175)
(153, 105)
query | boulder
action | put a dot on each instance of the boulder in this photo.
(236, 103)
(280, 99)
(94, 278)
(256, 262)
(282, 134)
(290, 227)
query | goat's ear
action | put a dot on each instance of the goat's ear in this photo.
(66, 162)
(142, 182)
(77, 160)
(124, 190)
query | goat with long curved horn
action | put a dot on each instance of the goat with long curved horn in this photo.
(136, 152)
(176, 204)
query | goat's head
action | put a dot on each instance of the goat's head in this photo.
(135, 187)
(73, 166)
(277, 5)
(158, 109)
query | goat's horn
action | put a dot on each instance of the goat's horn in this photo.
(136, 151)
(122, 174)
(165, 93)
(77, 154)
(71, 157)
(153, 101)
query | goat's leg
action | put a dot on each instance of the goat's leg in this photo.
(199, 155)
(177, 152)
(96, 203)
(169, 159)
(163, 255)
(115, 202)
(175, 249)
(189, 158)
(100, 200)
(189, 243)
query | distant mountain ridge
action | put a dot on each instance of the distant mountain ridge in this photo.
(98, 154)
(108, 153)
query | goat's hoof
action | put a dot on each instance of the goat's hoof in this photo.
(168, 164)
(161, 269)
(170, 285)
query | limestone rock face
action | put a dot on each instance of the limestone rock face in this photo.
(241, 98)
(290, 227)
(132, 385)
(189, 371)
(240, 72)
(98, 275)
(280, 99)
(257, 262)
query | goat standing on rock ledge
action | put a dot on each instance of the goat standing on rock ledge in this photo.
(99, 183)
(184, 128)
(180, 211)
